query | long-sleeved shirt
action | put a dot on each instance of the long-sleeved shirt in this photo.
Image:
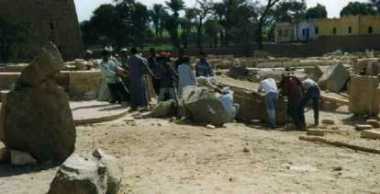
(308, 83)
(268, 85)
(109, 69)
(186, 76)
(203, 68)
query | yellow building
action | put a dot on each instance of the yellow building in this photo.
(348, 26)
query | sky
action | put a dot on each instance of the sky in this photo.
(86, 7)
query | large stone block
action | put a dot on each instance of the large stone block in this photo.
(84, 85)
(334, 78)
(363, 95)
(252, 107)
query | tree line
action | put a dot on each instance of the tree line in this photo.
(207, 24)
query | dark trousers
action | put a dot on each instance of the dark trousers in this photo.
(312, 94)
(118, 92)
(297, 114)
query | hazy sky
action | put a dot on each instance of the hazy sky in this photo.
(86, 7)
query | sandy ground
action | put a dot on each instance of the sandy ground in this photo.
(163, 157)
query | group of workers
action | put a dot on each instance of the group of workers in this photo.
(131, 78)
(299, 94)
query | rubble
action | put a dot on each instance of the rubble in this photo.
(37, 118)
(375, 123)
(371, 134)
(96, 174)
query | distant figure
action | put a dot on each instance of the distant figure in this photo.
(110, 71)
(313, 93)
(154, 66)
(168, 79)
(269, 87)
(136, 69)
(292, 88)
(180, 58)
(203, 68)
(186, 75)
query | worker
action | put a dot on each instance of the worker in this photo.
(111, 73)
(168, 79)
(186, 75)
(313, 93)
(269, 87)
(154, 66)
(203, 68)
(137, 65)
(292, 87)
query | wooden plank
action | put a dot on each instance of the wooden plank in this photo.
(339, 144)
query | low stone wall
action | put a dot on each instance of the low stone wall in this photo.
(80, 85)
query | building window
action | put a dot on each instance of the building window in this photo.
(334, 30)
(316, 30)
(370, 30)
(350, 30)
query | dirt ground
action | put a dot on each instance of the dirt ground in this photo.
(163, 157)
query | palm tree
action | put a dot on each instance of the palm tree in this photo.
(175, 6)
(157, 14)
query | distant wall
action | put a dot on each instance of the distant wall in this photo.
(317, 47)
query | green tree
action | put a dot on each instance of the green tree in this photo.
(376, 3)
(205, 8)
(317, 12)
(157, 15)
(212, 29)
(289, 11)
(266, 11)
(358, 8)
(172, 23)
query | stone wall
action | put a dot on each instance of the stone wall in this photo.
(80, 85)
(49, 20)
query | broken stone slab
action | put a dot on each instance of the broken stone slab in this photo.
(238, 72)
(95, 174)
(371, 134)
(334, 78)
(37, 118)
(19, 158)
(363, 127)
(328, 122)
(375, 123)
(314, 132)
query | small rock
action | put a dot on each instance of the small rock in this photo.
(374, 123)
(246, 150)
(209, 126)
(21, 158)
(328, 122)
(363, 127)
(338, 168)
(371, 134)
(315, 133)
